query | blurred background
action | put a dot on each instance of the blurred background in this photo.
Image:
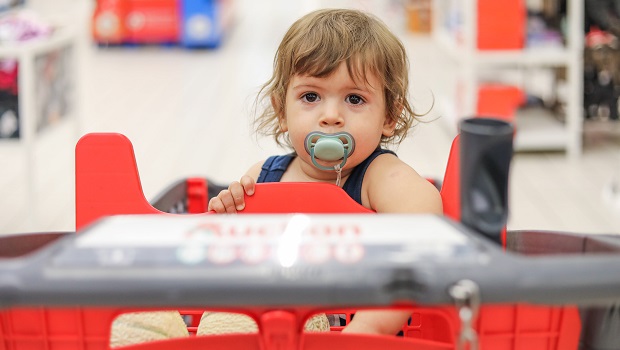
(179, 78)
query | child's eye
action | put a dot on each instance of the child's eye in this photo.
(310, 97)
(355, 99)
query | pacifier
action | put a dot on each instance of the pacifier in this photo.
(329, 147)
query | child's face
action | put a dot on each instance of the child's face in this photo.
(336, 104)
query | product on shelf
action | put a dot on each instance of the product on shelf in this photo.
(601, 85)
(190, 23)
(419, 15)
(16, 28)
(505, 31)
(499, 101)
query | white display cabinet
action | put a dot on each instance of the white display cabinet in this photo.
(455, 29)
(46, 81)
(45, 117)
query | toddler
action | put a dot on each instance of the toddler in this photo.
(338, 97)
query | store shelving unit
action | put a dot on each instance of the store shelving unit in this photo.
(535, 132)
(47, 105)
(27, 55)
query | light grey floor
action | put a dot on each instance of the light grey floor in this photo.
(188, 113)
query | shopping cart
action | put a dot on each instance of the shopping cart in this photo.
(64, 290)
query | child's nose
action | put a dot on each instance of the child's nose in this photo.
(331, 121)
(331, 117)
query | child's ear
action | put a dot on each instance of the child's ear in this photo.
(283, 125)
(389, 125)
(277, 107)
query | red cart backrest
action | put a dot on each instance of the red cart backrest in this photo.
(108, 183)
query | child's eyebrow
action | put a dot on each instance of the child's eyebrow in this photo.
(305, 86)
(314, 86)
(346, 89)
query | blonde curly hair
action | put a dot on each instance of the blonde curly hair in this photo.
(317, 44)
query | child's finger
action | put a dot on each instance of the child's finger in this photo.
(248, 184)
(216, 205)
(227, 201)
(237, 193)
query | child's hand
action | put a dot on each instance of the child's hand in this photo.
(232, 200)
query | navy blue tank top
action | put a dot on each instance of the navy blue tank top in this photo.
(275, 166)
